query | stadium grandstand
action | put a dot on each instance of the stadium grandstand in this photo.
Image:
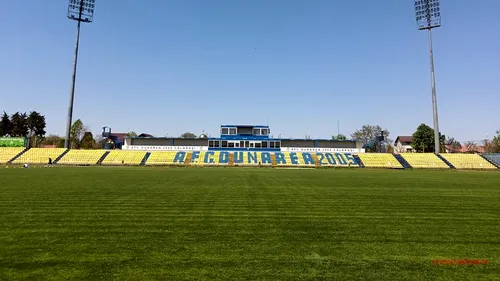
(241, 145)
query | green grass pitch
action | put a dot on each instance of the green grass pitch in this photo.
(143, 223)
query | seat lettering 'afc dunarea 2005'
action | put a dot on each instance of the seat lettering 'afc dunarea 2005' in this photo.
(255, 158)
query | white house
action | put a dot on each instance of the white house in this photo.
(402, 144)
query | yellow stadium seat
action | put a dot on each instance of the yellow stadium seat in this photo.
(82, 157)
(286, 157)
(379, 160)
(424, 160)
(7, 153)
(301, 161)
(39, 155)
(467, 161)
(198, 161)
(162, 158)
(328, 159)
(124, 157)
(215, 158)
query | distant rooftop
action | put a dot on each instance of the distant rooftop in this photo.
(404, 139)
(248, 126)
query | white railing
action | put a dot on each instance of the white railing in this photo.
(322, 149)
(165, 147)
(205, 148)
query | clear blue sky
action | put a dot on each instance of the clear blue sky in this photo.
(190, 65)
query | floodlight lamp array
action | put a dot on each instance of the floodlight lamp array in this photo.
(81, 10)
(427, 13)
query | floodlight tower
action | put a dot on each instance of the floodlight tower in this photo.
(80, 11)
(428, 16)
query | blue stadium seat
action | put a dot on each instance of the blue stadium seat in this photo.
(493, 157)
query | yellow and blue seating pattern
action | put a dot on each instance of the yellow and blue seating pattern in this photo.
(82, 157)
(286, 159)
(280, 159)
(245, 158)
(207, 158)
(7, 153)
(380, 160)
(467, 161)
(250, 158)
(39, 155)
(326, 159)
(424, 160)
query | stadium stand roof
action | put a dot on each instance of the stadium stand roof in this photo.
(252, 126)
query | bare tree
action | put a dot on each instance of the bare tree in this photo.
(76, 133)
(471, 146)
(493, 145)
(52, 140)
(368, 134)
(453, 145)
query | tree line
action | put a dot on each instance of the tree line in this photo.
(27, 125)
(80, 137)
(32, 125)
(423, 141)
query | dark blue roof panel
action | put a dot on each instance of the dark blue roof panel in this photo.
(250, 126)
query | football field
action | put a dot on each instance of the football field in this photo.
(144, 223)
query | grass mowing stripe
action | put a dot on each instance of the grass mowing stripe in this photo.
(136, 223)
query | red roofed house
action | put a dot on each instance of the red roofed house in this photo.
(466, 148)
(402, 144)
